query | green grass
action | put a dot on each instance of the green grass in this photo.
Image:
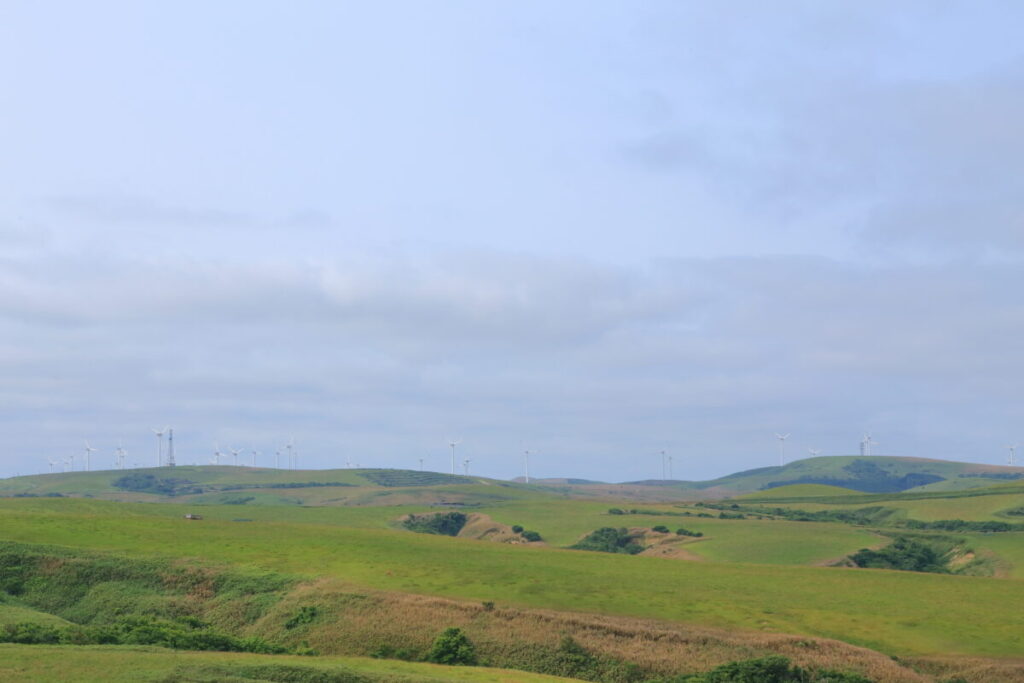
(14, 614)
(896, 612)
(127, 663)
(800, 491)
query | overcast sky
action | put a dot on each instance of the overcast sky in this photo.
(592, 229)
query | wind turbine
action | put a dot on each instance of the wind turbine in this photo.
(782, 448)
(526, 464)
(254, 454)
(663, 474)
(234, 455)
(69, 462)
(421, 464)
(120, 456)
(1013, 453)
(670, 467)
(290, 446)
(89, 450)
(52, 463)
(159, 445)
(216, 453)
(453, 443)
(465, 466)
(815, 452)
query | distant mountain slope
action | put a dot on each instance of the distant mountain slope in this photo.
(868, 474)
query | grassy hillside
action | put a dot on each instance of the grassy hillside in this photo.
(892, 611)
(140, 663)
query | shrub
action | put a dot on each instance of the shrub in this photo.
(661, 528)
(305, 615)
(517, 529)
(609, 540)
(687, 532)
(615, 511)
(452, 647)
(531, 536)
(442, 523)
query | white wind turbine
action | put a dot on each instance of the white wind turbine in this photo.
(291, 453)
(89, 450)
(119, 456)
(52, 463)
(254, 454)
(216, 454)
(1013, 453)
(815, 452)
(453, 443)
(421, 464)
(234, 455)
(782, 448)
(526, 464)
(670, 468)
(159, 432)
(664, 473)
(465, 466)
(277, 459)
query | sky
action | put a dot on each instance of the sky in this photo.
(595, 230)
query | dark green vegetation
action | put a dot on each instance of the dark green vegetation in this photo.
(443, 523)
(452, 647)
(906, 554)
(686, 532)
(866, 476)
(164, 486)
(391, 478)
(609, 540)
(774, 669)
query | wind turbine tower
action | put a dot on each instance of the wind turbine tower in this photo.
(254, 454)
(159, 446)
(664, 475)
(170, 447)
(465, 466)
(1013, 454)
(670, 467)
(782, 448)
(526, 465)
(453, 443)
(421, 464)
(234, 455)
(89, 450)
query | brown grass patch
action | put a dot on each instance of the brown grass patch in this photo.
(359, 622)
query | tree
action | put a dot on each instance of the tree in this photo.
(452, 647)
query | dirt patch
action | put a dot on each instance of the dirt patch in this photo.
(670, 545)
(483, 528)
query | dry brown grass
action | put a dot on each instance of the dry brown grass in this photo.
(973, 669)
(356, 621)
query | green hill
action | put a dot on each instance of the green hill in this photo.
(867, 474)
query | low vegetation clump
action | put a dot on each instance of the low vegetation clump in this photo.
(661, 529)
(180, 634)
(452, 647)
(771, 669)
(609, 540)
(686, 532)
(164, 486)
(904, 554)
(392, 478)
(441, 523)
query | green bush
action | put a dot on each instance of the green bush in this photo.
(609, 540)
(517, 529)
(452, 647)
(442, 523)
(905, 554)
(661, 529)
(686, 532)
(531, 536)
(305, 615)
(615, 511)
(770, 669)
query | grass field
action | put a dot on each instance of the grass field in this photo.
(896, 612)
(135, 663)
